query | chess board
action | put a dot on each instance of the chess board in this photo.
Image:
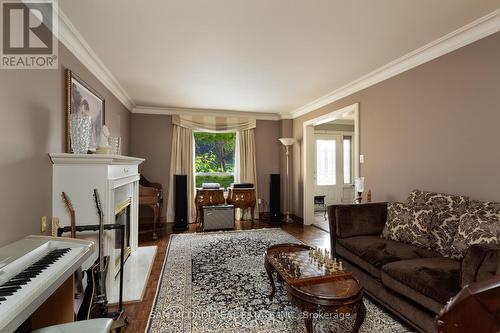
(309, 269)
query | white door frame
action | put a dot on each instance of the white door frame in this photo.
(308, 156)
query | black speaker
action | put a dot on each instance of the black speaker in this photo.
(275, 199)
(181, 202)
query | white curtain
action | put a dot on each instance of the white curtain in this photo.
(245, 164)
(181, 163)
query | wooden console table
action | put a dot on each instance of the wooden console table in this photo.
(207, 197)
(315, 290)
(243, 198)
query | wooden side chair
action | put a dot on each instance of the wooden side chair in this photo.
(151, 195)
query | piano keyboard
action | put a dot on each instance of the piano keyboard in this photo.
(31, 270)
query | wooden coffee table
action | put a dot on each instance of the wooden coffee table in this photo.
(315, 290)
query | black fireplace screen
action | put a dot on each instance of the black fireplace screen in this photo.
(123, 217)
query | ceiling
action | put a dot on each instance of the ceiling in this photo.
(260, 55)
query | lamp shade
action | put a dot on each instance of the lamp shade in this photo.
(359, 184)
(287, 141)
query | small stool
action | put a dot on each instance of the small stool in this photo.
(102, 325)
(319, 200)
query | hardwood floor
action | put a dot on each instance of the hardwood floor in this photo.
(321, 221)
(138, 313)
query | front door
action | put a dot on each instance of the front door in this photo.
(328, 170)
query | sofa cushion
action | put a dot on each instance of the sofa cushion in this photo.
(444, 225)
(438, 201)
(372, 252)
(408, 224)
(431, 282)
(484, 208)
(480, 224)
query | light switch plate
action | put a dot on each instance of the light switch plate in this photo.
(361, 158)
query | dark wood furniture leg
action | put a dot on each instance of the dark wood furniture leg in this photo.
(360, 317)
(308, 320)
(156, 217)
(271, 280)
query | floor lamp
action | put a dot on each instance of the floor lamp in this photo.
(287, 142)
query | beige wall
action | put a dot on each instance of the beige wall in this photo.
(32, 125)
(435, 127)
(151, 138)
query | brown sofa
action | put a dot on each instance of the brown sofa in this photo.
(413, 283)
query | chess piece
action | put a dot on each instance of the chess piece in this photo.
(369, 196)
(341, 266)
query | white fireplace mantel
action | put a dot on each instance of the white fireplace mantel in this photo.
(117, 180)
(62, 158)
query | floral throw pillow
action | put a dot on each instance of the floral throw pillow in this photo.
(444, 226)
(438, 201)
(408, 224)
(479, 225)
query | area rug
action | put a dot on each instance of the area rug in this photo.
(216, 282)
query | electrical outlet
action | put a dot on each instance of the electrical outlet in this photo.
(260, 201)
(43, 224)
(54, 226)
(361, 158)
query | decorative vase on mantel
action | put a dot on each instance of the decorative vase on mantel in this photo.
(80, 128)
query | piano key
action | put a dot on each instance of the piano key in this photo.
(7, 288)
(38, 267)
(25, 275)
(14, 283)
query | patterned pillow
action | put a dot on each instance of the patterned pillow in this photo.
(444, 226)
(443, 229)
(484, 208)
(408, 224)
(438, 201)
(479, 225)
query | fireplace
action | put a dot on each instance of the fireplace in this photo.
(122, 216)
(117, 180)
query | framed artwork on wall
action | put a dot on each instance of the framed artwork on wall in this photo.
(84, 100)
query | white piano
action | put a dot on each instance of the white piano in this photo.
(36, 279)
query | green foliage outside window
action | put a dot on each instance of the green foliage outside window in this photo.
(214, 152)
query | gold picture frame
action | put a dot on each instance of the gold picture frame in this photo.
(81, 97)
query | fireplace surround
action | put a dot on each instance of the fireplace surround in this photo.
(117, 180)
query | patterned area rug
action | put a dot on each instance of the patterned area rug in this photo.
(216, 282)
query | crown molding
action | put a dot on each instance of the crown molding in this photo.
(74, 41)
(205, 112)
(286, 115)
(474, 31)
